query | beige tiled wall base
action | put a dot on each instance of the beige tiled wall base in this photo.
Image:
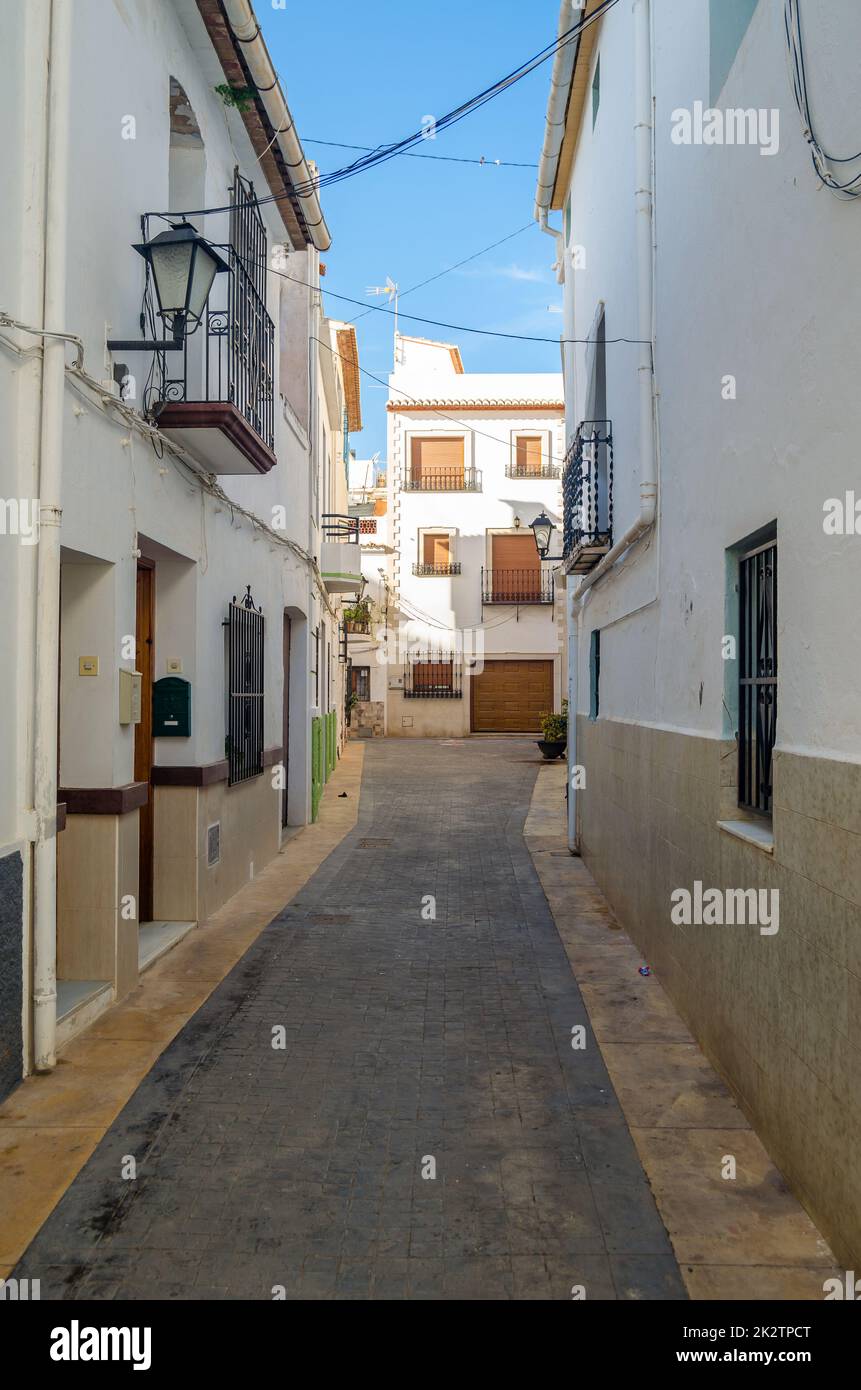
(97, 867)
(51, 1124)
(779, 1015)
(186, 887)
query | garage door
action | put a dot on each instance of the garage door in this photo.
(511, 696)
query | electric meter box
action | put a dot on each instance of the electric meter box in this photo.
(171, 708)
(130, 696)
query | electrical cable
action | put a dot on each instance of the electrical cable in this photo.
(452, 419)
(820, 157)
(382, 153)
(447, 271)
(447, 158)
(417, 318)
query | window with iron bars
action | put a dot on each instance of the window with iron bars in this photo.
(433, 674)
(244, 742)
(757, 675)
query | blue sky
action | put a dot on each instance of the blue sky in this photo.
(369, 74)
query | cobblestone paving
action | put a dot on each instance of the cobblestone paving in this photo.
(405, 1040)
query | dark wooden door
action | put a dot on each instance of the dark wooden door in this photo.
(145, 649)
(285, 726)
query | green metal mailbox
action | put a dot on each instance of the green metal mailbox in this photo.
(171, 708)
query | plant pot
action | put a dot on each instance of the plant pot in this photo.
(552, 749)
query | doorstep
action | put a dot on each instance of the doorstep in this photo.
(156, 938)
(79, 1003)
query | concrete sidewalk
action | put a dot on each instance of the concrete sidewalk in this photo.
(745, 1237)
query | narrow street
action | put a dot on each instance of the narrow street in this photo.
(406, 1040)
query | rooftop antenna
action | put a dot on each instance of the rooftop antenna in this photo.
(390, 290)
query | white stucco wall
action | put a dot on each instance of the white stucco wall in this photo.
(756, 272)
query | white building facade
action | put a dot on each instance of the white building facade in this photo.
(473, 459)
(715, 640)
(172, 634)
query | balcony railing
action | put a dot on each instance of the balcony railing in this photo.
(337, 527)
(587, 496)
(545, 472)
(462, 480)
(433, 675)
(435, 571)
(223, 378)
(517, 586)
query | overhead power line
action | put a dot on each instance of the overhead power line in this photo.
(449, 268)
(382, 153)
(409, 154)
(851, 189)
(434, 323)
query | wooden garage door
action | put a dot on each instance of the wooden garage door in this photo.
(511, 696)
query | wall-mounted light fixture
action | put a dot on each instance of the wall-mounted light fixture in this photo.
(183, 266)
(542, 529)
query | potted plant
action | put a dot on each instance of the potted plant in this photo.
(554, 727)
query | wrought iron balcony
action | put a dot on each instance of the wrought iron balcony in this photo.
(544, 473)
(587, 496)
(435, 571)
(517, 586)
(216, 397)
(461, 480)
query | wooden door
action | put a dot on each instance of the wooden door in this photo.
(285, 719)
(516, 568)
(145, 650)
(511, 696)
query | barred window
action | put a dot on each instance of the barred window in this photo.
(433, 675)
(757, 685)
(245, 630)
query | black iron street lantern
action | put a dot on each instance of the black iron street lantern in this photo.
(542, 529)
(183, 266)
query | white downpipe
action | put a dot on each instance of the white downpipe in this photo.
(46, 711)
(243, 22)
(643, 118)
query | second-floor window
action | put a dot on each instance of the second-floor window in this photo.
(437, 463)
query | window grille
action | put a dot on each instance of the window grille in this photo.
(245, 685)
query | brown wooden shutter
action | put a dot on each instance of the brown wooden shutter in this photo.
(529, 454)
(437, 458)
(516, 566)
(437, 550)
(433, 675)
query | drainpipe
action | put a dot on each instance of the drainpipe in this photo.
(559, 263)
(246, 30)
(46, 709)
(645, 366)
